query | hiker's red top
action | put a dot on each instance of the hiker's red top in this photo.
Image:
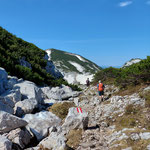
(100, 87)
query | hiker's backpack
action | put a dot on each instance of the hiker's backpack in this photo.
(100, 87)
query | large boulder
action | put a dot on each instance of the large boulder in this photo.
(25, 107)
(5, 107)
(39, 123)
(9, 122)
(12, 97)
(12, 80)
(3, 80)
(76, 118)
(54, 141)
(19, 136)
(5, 144)
(30, 90)
(59, 93)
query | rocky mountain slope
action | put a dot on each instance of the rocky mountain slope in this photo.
(57, 118)
(131, 62)
(75, 68)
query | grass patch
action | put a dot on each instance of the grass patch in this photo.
(131, 109)
(61, 109)
(74, 138)
(129, 90)
(134, 116)
(136, 145)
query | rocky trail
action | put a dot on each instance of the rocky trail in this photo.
(46, 118)
(104, 131)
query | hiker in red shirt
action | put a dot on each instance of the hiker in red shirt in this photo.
(100, 87)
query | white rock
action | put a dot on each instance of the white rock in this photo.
(54, 141)
(134, 136)
(5, 107)
(76, 101)
(75, 120)
(148, 147)
(20, 137)
(25, 107)
(9, 122)
(59, 93)
(12, 80)
(145, 135)
(39, 123)
(12, 97)
(30, 90)
(5, 144)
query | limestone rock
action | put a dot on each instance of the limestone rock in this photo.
(9, 122)
(5, 144)
(145, 135)
(59, 93)
(54, 141)
(12, 97)
(39, 123)
(30, 90)
(5, 107)
(25, 107)
(75, 120)
(20, 137)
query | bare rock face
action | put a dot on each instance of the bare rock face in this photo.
(5, 107)
(30, 90)
(9, 122)
(25, 107)
(59, 93)
(75, 120)
(20, 137)
(3, 80)
(12, 97)
(54, 141)
(5, 144)
(39, 123)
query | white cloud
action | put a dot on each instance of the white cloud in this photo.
(124, 4)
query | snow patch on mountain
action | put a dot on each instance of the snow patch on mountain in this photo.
(73, 77)
(131, 62)
(49, 53)
(79, 67)
(80, 58)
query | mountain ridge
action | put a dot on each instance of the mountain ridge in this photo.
(74, 67)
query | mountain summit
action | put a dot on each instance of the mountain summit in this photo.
(75, 68)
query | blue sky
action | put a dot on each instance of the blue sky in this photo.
(107, 32)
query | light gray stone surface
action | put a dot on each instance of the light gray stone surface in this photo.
(12, 97)
(20, 137)
(5, 144)
(26, 106)
(145, 135)
(5, 107)
(9, 122)
(39, 123)
(54, 141)
(30, 90)
(59, 93)
(75, 120)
